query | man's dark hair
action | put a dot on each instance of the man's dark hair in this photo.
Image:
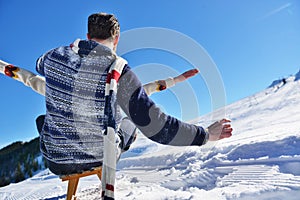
(103, 26)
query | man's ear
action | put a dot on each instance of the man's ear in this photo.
(116, 40)
(88, 36)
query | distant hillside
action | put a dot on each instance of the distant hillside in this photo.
(19, 161)
(276, 84)
(297, 76)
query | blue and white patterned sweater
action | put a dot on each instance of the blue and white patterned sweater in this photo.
(75, 88)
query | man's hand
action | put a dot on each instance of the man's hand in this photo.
(220, 130)
(186, 75)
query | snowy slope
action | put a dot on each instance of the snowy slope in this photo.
(260, 161)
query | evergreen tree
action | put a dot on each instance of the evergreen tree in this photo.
(19, 175)
(35, 165)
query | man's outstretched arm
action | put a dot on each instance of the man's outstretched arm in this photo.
(158, 126)
(160, 85)
(36, 82)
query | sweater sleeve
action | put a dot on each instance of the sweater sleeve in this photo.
(158, 86)
(152, 122)
(36, 82)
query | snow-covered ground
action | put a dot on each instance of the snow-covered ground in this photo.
(260, 161)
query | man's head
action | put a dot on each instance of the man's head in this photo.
(103, 26)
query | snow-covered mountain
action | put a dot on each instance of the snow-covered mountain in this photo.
(260, 161)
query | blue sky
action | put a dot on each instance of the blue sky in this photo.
(251, 43)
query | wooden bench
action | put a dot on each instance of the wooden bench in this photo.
(74, 179)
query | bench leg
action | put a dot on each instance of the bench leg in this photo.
(72, 187)
(99, 174)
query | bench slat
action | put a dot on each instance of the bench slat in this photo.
(74, 179)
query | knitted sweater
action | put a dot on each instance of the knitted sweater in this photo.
(73, 128)
(75, 100)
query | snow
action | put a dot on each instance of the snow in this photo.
(260, 161)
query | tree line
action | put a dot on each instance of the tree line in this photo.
(20, 160)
